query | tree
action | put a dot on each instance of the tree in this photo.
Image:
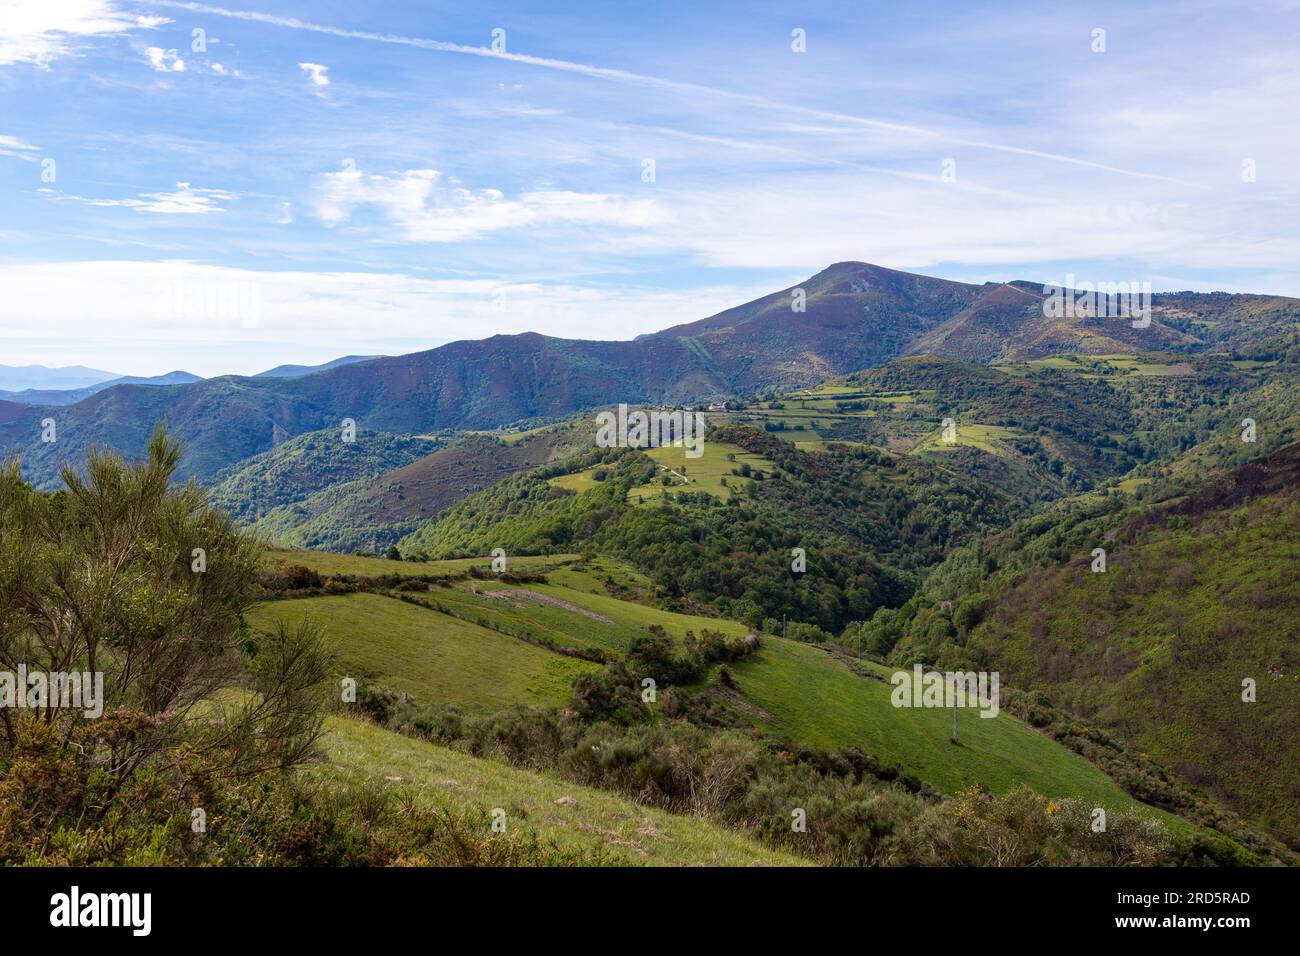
(126, 579)
(971, 611)
(393, 554)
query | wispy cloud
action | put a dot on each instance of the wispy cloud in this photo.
(185, 200)
(38, 31)
(695, 89)
(504, 169)
(12, 146)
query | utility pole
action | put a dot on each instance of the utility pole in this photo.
(954, 710)
(783, 629)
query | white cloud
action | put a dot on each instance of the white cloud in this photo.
(164, 61)
(316, 72)
(213, 320)
(810, 221)
(186, 200)
(38, 31)
(12, 146)
(430, 208)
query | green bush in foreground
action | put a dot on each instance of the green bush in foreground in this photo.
(298, 819)
(137, 587)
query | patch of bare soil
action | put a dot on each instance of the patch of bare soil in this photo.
(731, 698)
(525, 596)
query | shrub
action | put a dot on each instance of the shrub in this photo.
(124, 576)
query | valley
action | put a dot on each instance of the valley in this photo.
(500, 588)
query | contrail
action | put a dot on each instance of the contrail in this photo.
(643, 79)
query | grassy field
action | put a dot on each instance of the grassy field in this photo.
(810, 696)
(1133, 484)
(599, 575)
(809, 418)
(794, 691)
(987, 438)
(434, 656)
(706, 473)
(804, 435)
(842, 393)
(799, 424)
(563, 813)
(568, 616)
(578, 481)
(788, 690)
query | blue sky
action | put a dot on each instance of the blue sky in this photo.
(302, 180)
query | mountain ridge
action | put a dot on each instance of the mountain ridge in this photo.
(854, 316)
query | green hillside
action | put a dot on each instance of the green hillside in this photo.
(622, 831)
(788, 689)
(866, 521)
(1199, 594)
(722, 470)
(226, 701)
(299, 467)
(456, 633)
(375, 511)
(435, 656)
(1045, 428)
(331, 564)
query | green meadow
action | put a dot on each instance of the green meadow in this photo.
(1098, 366)
(469, 646)
(806, 694)
(713, 472)
(986, 438)
(434, 656)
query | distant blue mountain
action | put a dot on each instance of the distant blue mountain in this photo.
(70, 396)
(14, 378)
(297, 371)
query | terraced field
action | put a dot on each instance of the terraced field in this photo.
(1100, 366)
(810, 418)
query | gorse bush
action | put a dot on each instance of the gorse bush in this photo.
(125, 579)
(306, 818)
(656, 655)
